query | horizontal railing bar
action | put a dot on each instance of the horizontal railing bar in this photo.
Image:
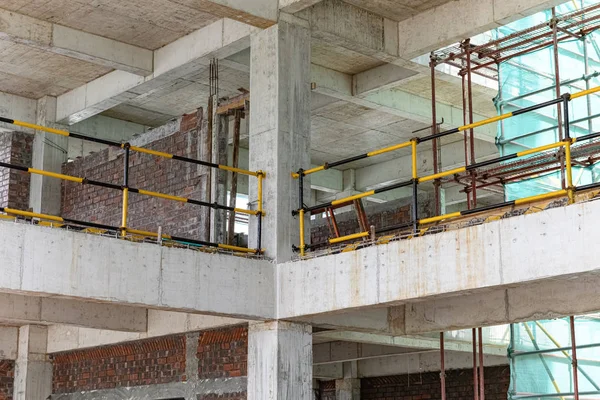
(126, 145)
(586, 137)
(349, 237)
(358, 196)
(442, 174)
(54, 218)
(86, 181)
(555, 350)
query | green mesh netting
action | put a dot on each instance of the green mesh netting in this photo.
(529, 79)
(540, 357)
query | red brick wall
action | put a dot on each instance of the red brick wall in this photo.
(7, 378)
(89, 203)
(426, 386)
(379, 215)
(327, 390)
(15, 148)
(223, 353)
(152, 361)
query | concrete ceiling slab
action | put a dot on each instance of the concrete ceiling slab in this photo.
(34, 73)
(150, 24)
(341, 59)
(397, 10)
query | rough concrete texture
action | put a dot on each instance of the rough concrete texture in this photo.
(280, 128)
(160, 323)
(279, 361)
(8, 342)
(541, 247)
(33, 368)
(50, 261)
(180, 390)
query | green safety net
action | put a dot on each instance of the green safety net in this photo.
(540, 358)
(530, 79)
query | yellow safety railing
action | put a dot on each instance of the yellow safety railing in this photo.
(126, 189)
(417, 223)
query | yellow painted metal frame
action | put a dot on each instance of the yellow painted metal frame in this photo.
(349, 237)
(442, 174)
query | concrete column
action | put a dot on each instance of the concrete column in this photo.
(33, 371)
(49, 153)
(279, 129)
(279, 361)
(349, 387)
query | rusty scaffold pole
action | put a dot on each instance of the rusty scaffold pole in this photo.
(475, 380)
(436, 142)
(467, 49)
(559, 117)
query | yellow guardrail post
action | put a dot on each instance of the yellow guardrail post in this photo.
(302, 242)
(569, 167)
(261, 213)
(415, 186)
(125, 209)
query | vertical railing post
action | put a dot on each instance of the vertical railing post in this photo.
(124, 211)
(574, 359)
(481, 366)
(415, 187)
(442, 366)
(301, 211)
(568, 142)
(475, 379)
(261, 213)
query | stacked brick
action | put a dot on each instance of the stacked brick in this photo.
(147, 362)
(426, 386)
(379, 215)
(223, 353)
(15, 148)
(327, 390)
(96, 204)
(7, 377)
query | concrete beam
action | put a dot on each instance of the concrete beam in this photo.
(368, 91)
(172, 62)
(17, 28)
(388, 320)
(423, 362)
(160, 323)
(293, 6)
(434, 29)
(261, 13)
(553, 299)
(21, 310)
(465, 262)
(9, 337)
(53, 262)
(423, 343)
(336, 352)
(402, 364)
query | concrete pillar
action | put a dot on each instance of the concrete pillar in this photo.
(33, 371)
(49, 153)
(279, 129)
(279, 361)
(348, 388)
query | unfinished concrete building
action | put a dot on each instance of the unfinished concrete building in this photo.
(299, 199)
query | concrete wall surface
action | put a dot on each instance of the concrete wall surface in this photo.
(55, 262)
(508, 253)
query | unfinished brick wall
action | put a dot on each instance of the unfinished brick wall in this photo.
(379, 215)
(7, 379)
(327, 390)
(96, 204)
(223, 353)
(426, 386)
(147, 362)
(15, 148)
